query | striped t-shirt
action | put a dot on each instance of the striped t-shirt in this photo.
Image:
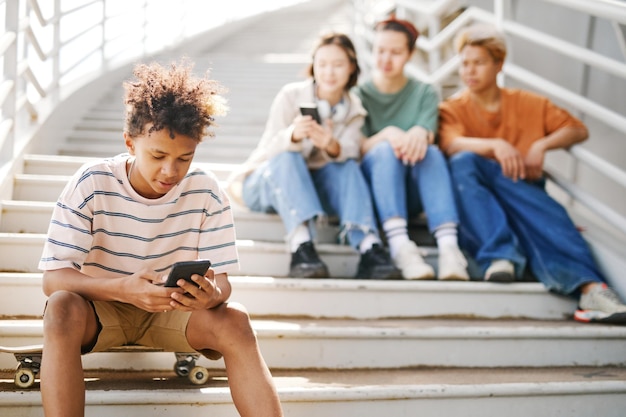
(103, 228)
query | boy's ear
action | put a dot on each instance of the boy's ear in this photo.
(130, 143)
(500, 64)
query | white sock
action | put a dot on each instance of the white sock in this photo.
(446, 235)
(299, 236)
(367, 242)
(397, 234)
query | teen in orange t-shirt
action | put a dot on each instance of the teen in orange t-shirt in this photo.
(496, 140)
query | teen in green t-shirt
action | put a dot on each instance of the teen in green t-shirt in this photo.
(406, 172)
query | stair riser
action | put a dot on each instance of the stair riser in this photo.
(520, 400)
(345, 348)
(31, 218)
(203, 154)
(35, 165)
(16, 218)
(29, 188)
(233, 136)
(343, 299)
(21, 252)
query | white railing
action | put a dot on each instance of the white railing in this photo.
(439, 70)
(49, 48)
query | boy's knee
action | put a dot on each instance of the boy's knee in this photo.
(65, 309)
(237, 320)
(464, 162)
(230, 324)
(463, 157)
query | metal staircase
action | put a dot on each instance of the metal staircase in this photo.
(336, 347)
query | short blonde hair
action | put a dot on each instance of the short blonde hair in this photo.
(483, 35)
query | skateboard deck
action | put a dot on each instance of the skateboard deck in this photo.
(29, 363)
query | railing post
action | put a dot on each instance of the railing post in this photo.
(499, 16)
(56, 48)
(103, 41)
(9, 71)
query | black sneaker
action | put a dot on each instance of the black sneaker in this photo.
(376, 264)
(305, 263)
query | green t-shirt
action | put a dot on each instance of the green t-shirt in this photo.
(414, 105)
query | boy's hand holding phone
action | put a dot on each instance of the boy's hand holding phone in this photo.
(185, 270)
(198, 281)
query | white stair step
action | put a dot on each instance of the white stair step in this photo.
(34, 217)
(53, 164)
(18, 216)
(341, 298)
(29, 187)
(203, 154)
(112, 130)
(468, 392)
(388, 344)
(37, 187)
(20, 252)
(111, 117)
(68, 165)
(25, 216)
(104, 137)
(337, 298)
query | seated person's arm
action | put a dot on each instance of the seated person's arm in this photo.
(509, 158)
(138, 289)
(559, 139)
(95, 289)
(390, 134)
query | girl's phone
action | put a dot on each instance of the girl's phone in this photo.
(185, 270)
(310, 109)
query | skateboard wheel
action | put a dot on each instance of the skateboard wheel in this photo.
(199, 375)
(24, 378)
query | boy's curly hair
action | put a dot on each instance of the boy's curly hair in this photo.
(172, 98)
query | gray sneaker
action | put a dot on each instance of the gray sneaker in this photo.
(601, 304)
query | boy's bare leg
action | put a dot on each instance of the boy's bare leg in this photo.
(228, 331)
(69, 322)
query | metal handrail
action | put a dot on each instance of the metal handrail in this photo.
(35, 35)
(614, 11)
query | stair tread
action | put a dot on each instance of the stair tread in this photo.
(417, 382)
(406, 327)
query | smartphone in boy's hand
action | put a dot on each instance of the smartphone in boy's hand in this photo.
(310, 109)
(185, 270)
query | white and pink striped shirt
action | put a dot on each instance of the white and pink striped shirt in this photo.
(103, 228)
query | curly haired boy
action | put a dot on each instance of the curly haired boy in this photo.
(119, 226)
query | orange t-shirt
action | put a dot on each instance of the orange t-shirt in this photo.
(523, 118)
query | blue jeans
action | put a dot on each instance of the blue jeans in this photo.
(519, 221)
(285, 185)
(402, 190)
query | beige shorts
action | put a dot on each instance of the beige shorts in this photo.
(124, 324)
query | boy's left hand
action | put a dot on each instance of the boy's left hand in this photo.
(200, 295)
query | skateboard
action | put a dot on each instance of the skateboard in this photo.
(29, 363)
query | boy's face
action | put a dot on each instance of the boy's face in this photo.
(160, 161)
(478, 69)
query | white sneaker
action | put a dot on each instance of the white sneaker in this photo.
(410, 262)
(500, 270)
(601, 304)
(452, 264)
